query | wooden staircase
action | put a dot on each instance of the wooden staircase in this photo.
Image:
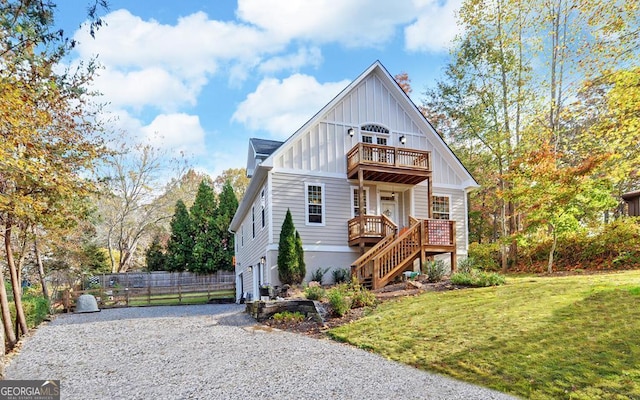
(396, 253)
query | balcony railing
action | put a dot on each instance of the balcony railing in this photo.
(386, 163)
(373, 227)
(375, 154)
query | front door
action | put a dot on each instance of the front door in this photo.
(389, 208)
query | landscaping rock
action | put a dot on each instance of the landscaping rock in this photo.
(414, 285)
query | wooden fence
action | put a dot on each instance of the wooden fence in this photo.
(156, 288)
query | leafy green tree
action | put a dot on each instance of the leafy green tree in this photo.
(226, 210)
(206, 245)
(94, 259)
(180, 246)
(156, 256)
(287, 255)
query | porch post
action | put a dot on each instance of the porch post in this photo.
(361, 208)
(423, 254)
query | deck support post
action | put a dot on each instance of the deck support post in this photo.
(361, 209)
(423, 254)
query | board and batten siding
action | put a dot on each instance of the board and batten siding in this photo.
(323, 146)
(289, 193)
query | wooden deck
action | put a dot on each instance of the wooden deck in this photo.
(394, 254)
(388, 164)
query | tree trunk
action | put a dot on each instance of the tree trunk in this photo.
(45, 289)
(9, 333)
(553, 249)
(21, 321)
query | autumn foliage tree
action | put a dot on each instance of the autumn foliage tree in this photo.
(49, 138)
(508, 99)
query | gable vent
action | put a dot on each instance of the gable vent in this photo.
(374, 128)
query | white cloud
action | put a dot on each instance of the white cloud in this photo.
(281, 107)
(152, 86)
(190, 48)
(177, 133)
(146, 63)
(367, 23)
(292, 62)
(435, 27)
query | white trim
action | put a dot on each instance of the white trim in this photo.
(367, 200)
(433, 195)
(263, 208)
(447, 186)
(320, 248)
(466, 221)
(290, 171)
(270, 206)
(323, 203)
(253, 222)
(412, 202)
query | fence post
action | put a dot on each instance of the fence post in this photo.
(180, 293)
(149, 295)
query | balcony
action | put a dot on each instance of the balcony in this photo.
(370, 229)
(388, 164)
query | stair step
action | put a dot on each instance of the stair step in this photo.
(367, 283)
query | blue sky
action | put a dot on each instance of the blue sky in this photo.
(203, 76)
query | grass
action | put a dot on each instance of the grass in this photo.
(187, 298)
(574, 337)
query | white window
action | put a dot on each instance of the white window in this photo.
(377, 134)
(253, 222)
(441, 207)
(242, 235)
(314, 200)
(355, 210)
(262, 206)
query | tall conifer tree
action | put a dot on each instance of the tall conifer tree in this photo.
(206, 248)
(226, 209)
(287, 257)
(180, 247)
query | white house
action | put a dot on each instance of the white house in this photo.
(370, 184)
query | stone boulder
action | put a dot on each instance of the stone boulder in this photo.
(86, 303)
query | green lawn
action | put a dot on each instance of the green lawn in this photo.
(575, 337)
(172, 298)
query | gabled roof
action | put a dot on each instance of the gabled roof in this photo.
(379, 69)
(264, 147)
(269, 149)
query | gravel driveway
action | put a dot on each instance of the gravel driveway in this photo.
(212, 352)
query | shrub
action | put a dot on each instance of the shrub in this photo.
(486, 256)
(36, 309)
(363, 298)
(288, 316)
(466, 265)
(338, 300)
(318, 274)
(434, 270)
(341, 275)
(314, 292)
(477, 278)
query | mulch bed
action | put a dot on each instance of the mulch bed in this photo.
(318, 330)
